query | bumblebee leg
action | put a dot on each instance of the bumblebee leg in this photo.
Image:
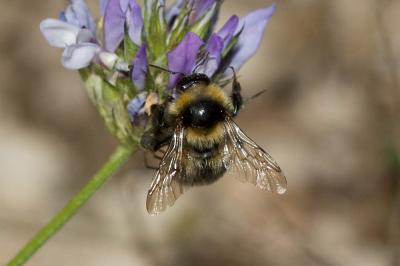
(160, 152)
(152, 159)
(157, 157)
(235, 95)
(159, 133)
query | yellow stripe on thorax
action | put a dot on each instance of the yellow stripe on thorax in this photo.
(196, 92)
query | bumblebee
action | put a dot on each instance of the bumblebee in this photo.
(203, 143)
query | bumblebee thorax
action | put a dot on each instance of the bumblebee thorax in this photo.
(203, 113)
(201, 102)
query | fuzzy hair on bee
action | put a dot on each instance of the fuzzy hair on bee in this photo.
(203, 143)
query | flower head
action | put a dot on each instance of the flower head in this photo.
(115, 57)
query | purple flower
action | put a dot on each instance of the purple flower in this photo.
(174, 11)
(75, 32)
(79, 44)
(214, 48)
(135, 22)
(253, 26)
(79, 56)
(229, 28)
(77, 13)
(103, 6)
(139, 68)
(249, 30)
(182, 58)
(114, 25)
(216, 45)
(117, 14)
(136, 107)
(199, 8)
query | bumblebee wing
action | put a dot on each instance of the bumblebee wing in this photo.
(250, 163)
(166, 188)
(152, 159)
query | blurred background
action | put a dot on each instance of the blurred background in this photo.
(330, 118)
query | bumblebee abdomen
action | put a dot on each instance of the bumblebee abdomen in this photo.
(202, 171)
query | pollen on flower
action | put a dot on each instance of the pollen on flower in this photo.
(152, 99)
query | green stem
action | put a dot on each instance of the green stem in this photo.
(117, 159)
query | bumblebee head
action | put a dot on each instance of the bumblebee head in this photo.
(188, 81)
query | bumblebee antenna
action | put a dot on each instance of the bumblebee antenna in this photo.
(254, 95)
(166, 70)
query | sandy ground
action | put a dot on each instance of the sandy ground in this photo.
(330, 118)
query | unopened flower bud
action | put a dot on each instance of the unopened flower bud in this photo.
(108, 59)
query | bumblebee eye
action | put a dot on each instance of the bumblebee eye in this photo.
(203, 114)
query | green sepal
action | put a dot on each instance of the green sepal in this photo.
(231, 44)
(156, 30)
(126, 89)
(179, 28)
(111, 106)
(150, 83)
(160, 82)
(202, 26)
(130, 48)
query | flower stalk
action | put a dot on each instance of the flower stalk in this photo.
(117, 159)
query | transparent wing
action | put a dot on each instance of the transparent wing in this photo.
(152, 159)
(250, 163)
(166, 188)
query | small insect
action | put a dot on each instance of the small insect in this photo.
(203, 143)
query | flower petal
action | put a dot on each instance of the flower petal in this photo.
(70, 17)
(114, 23)
(62, 16)
(78, 13)
(183, 57)
(103, 6)
(84, 35)
(229, 28)
(59, 33)
(214, 50)
(149, 4)
(139, 69)
(174, 11)
(80, 55)
(136, 105)
(108, 59)
(135, 22)
(199, 8)
(250, 38)
(124, 5)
